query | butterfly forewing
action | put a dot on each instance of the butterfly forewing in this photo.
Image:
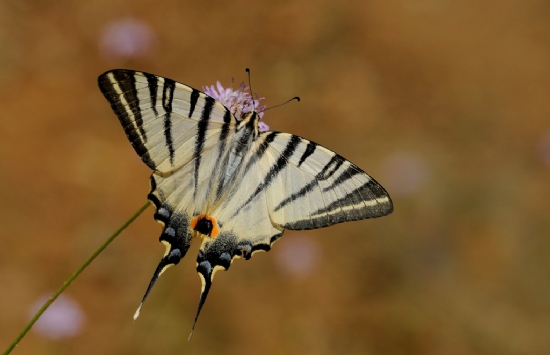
(165, 121)
(325, 188)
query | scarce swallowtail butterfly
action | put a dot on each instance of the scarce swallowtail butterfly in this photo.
(218, 176)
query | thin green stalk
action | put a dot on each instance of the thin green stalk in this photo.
(71, 279)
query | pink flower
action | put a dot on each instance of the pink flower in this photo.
(405, 173)
(298, 256)
(238, 101)
(127, 38)
(64, 318)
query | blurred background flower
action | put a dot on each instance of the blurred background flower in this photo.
(405, 174)
(126, 38)
(297, 255)
(544, 148)
(63, 319)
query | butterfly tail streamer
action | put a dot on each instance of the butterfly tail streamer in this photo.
(172, 258)
(207, 275)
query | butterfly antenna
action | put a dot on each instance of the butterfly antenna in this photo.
(250, 88)
(284, 103)
(206, 278)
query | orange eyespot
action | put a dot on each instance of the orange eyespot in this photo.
(206, 225)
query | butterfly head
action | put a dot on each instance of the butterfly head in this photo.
(239, 102)
(250, 125)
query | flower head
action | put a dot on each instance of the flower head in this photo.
(238, 101)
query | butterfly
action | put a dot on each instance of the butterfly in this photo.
(218, 177)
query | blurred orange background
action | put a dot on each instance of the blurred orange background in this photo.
(445, 103)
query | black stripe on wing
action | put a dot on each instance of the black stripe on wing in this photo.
(127, 83)
(343, 177)
(254, 158)
(334, 163)
(202, 127)
(152, 81)
(367, 192)
(119, 88)
(261, 150)
(224, 132)
(310, 149)
(275, 169)
(354, 199)
(193, 101)
(167, 98)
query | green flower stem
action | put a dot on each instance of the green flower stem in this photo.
(71, 279)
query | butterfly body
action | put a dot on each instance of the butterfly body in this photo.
(221, 178)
